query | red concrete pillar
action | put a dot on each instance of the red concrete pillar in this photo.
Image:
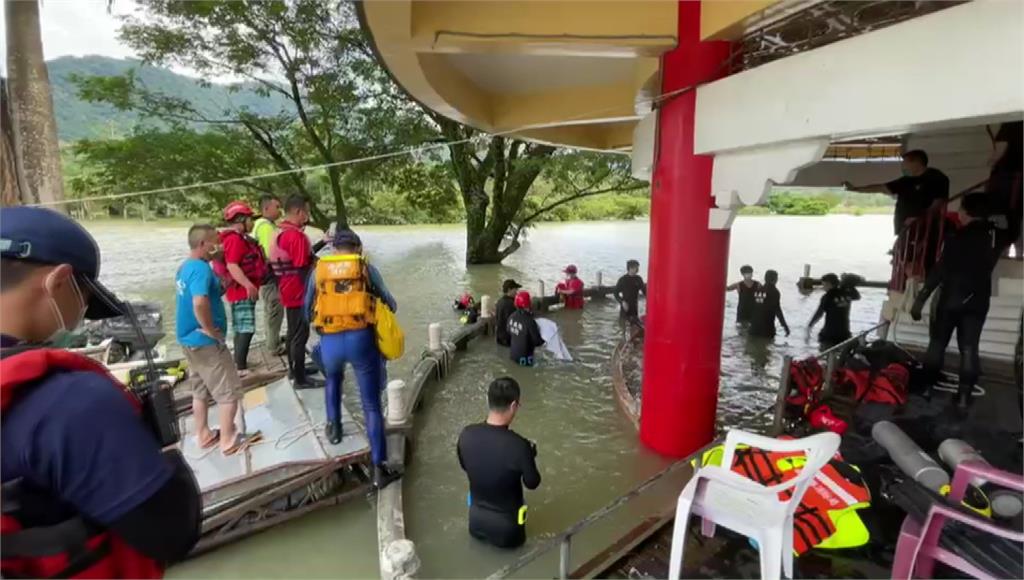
(686, 302)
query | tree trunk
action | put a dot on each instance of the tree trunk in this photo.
(35, 128)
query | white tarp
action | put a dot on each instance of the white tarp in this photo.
(553, 339)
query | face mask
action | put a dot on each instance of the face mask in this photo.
(62, 336)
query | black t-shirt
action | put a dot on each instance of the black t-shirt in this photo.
(524, 334)
(1013, 160)
(628, 290)
(498, 462)
(745, 307)
(835, 306)
(915, 194)
(766, 309)
(503, 309)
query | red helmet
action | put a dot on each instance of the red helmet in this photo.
(523, 300)
(570, 269)
(235, 209)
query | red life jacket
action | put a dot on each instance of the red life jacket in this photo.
(806, 377)
(253, 264)
(888, 386)
(280, 260)
(73, 548)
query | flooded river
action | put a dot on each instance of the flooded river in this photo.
(588, 451)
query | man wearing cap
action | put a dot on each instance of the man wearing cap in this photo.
(83, 474)
(246, 269)
(340, 301)
(571, 289)
(504, 309)
(524, 333)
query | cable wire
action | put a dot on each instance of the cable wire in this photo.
(654, 101)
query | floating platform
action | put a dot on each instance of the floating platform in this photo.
(292, 471)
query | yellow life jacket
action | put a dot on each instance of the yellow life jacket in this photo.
(343, 299)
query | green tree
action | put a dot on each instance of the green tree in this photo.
(309, 52)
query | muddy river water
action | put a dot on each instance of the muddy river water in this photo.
(588, 451)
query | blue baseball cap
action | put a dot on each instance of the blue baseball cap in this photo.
(45, 236)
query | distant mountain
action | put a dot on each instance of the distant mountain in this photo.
(78, 119)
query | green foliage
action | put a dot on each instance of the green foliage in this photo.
(789, 204)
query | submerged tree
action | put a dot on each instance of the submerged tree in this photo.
(496, 174)
(309, 52)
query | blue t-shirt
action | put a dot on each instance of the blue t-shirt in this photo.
(195, 278)
(76, 437)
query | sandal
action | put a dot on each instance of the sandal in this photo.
(214, 438)
(242, 441)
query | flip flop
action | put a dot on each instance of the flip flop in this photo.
(214, 438)
(242, 441)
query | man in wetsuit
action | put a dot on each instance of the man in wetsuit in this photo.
(965, 273)
(504, 309)
(628, 290)
(767, 307)
(498, 462)
(746, 289)
(524, 334)
(835, 307)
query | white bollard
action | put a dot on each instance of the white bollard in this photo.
(396, 403)
(807, 270)
(486, 306)
(600, 279)
(541, 284)
(434, 336)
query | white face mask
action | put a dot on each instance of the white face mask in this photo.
(61, 336)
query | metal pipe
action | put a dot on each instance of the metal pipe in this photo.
(780, 399)
(830, 368)
(564, 556)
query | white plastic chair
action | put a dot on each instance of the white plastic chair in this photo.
(723, 497)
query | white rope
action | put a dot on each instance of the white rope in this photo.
(380, 156)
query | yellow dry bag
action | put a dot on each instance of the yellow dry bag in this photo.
(390, 338)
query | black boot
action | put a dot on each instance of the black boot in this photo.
(334, 432)
(963, 396)
(384, 475)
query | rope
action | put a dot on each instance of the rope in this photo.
(655, 100)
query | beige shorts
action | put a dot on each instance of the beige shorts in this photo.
(216, 373)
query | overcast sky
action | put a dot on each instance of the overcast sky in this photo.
(79, 27)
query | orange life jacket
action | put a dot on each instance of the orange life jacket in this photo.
(343, 299)
(73, 548)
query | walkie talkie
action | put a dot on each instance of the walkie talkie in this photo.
(155, 394)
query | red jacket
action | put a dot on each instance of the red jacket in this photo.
(247, 253)
(573, 301)
(104, 554)
(292, 255)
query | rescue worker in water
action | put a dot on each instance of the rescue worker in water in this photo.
(87, 491)
(498, 462)
(340, 302)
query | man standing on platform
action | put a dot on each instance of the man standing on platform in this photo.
(264, 230)
(291, 257)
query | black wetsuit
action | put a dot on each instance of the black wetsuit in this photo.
(503, 309)
(1006, 181)
(766, 309)
(525, 337)
(965, 275)
(746, 305)
(835, 307)
(498, 462)
(627, 292)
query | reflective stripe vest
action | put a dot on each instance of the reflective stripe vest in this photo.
(72, 548)
(343, 299)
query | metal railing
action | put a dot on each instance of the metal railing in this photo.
(919, 244)
(831, 357)
(564, 539)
